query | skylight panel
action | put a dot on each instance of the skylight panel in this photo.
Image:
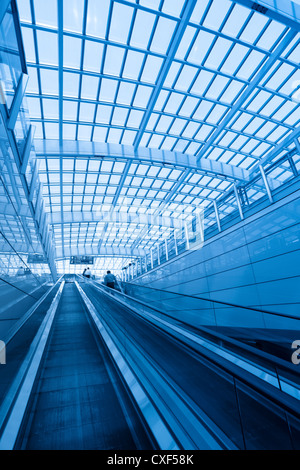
(70, 110)
(142, 96)
(201, 47)
(133, 65)
(232, 92)
(73, 15)
(293, 118)
(284, 110)
(188, 106)
(217, 54)
(24, 11)
(162, 36)
(47, 48)
(135, 118)
(89, 87)
(99, 134)
(293, 82)
(254, 28)
(202, 82)
(34, 107)
(251, 64)
(168, 143)
(49, 79)
(72, 52)
(69, 131)
(261, 149)
(113, 60)
(119, 116)
(199, 11)
(185, 43)
(204, 132)
(27, 35)
(155, 141)
(265, 130)
(260, 99)
(97, 16)
(173, 7)
(84, 133)
(233, 61)
(120, 23)
(271, 36)
(125, 93)
(217, 87)
(71, 84)
(185, 78)
(279, 76)
(50, 107)
(104, 114)
(163, 123)
(45, 13)
(32, 85)
(151, 69)
(87, 111)
(128, 137)
(142, 29)
(294, 54)
(190, 130)
(178, 126)
(216, 14)
(108, 90)
(93, 52)
(216, 114)
(254, 125)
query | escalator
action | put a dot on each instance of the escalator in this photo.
(106, 371)
(246, 399)
(79, 401)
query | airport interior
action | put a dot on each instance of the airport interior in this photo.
(150, 225)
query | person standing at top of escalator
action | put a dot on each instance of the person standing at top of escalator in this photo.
(87, 273)
(110, 280)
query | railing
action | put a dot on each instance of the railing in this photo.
(200, 311)
(250, 395)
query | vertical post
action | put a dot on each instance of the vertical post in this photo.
(151, 254)
(238, 201)
(201, 230)
(175, 242)
(158, 254)
(186, 231)
(166, 246)
(264, 178)
(217, 216)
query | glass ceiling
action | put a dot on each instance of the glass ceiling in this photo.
(212, 79)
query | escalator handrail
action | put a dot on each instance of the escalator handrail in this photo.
(284, 400)
(18, 325)
(272, 360)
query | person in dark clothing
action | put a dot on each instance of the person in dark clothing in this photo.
(87, 273)
(110, 280)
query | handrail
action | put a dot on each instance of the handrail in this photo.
(292, 317)
(18, 325)
(287, 401)
(212, 333)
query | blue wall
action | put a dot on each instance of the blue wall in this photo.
(255, 263)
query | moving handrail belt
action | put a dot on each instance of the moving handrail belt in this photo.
(225, 356)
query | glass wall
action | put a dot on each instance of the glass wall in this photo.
(24, 265)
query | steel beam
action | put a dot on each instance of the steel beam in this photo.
(80, 149)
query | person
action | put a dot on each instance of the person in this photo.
(87, 272)
(110, 280)
(21, 271)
